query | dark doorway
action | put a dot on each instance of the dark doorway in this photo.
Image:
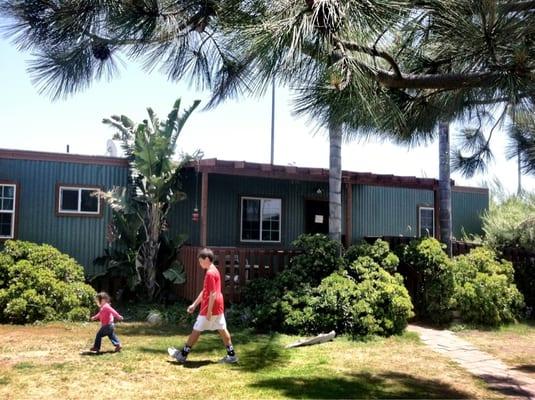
(316, 216)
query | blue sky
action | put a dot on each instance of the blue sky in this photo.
(237, 130)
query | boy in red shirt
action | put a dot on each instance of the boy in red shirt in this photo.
(211, 316)
(106, 317)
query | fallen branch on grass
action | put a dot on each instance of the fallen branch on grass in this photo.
(321, 338)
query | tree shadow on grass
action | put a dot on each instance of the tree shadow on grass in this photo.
(526, 368)
(506, 385)
(362, 385)
(153, 350)
(265, 352)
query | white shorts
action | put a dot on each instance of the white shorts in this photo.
(216, 323)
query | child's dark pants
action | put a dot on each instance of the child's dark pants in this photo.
(109, 331)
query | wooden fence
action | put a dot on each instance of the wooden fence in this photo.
(236, 265)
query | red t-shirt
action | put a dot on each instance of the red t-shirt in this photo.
(212, 283)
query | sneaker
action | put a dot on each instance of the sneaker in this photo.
(118, 348)
(171, 351)
(176, 354)
(228, 360)
(94, 350)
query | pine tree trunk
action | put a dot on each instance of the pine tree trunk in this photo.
(335, 182)
(444, 185)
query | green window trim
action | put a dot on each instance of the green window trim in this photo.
(8, 210)
(426, 221)
(260, 219)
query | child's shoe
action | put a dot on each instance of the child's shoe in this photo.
(228, 360)
(171, 351)
(176, 354)
(118, 348)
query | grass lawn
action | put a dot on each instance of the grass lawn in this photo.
(513, 344)
(43, 362)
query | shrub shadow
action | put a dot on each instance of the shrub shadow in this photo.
(356, 386)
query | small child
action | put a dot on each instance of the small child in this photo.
(106, 317)
(211, 316)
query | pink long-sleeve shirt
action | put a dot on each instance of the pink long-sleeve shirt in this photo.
(106, 315)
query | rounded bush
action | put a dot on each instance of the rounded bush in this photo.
(318, 293)
(432, 268)
(485, 292)
(319, 258)
(38, 283)
(262, 299)
(379, 252)
(372, 302)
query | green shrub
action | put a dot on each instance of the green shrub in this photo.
(434, 287)
(485, 292)
(38, 283)
(368, 302)
(511, 223)
(262, 299)
(319, 258)
(317, 294)
(378, 252)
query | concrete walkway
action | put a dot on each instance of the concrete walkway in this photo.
(499, 376)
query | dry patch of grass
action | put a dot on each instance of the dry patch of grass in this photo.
(43, 362)
(513, 344)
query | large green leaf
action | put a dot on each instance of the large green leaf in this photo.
(175, 273)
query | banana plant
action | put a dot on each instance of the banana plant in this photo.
(155, 176)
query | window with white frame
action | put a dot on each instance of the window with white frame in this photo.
(426, 221)
(8, 195)
(260, 219)
(78, 200)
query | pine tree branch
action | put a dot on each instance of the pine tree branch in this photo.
(527, 5)
(372, 52)
(435, 81)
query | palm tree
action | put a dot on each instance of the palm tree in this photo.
(150, 147)
(444, 185)
(521, 145)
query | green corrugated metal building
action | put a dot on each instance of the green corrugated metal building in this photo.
(46, 198)
(245, 204)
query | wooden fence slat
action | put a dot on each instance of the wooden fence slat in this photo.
(237, 266)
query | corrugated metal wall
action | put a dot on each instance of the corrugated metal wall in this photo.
(377, 210)
(180, 217)
(83, 238)
(224, 193)
(387, 211)
(466, 210)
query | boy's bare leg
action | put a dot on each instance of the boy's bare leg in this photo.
(225, 335)
(193, 337)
